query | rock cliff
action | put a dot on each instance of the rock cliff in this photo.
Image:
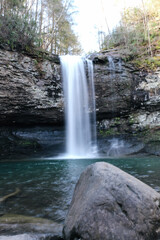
(127, 99)
(30, 89)
(116, 85)
(125, 96)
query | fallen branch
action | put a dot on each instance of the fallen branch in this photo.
(3, 199)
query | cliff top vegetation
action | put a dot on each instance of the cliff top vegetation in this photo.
(138, 35)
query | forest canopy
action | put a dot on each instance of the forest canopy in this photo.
(47, 24)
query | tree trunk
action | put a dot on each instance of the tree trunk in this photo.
(36, 13)
(41, 19)
(146, 29)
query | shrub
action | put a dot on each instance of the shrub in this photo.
(18, 32)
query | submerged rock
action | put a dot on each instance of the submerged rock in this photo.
(29, 237)
(111, 204)
(26, 227)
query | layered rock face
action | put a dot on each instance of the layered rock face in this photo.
(126, 92)
(116, 85)
(30, 89)
(128, 102)
(113, 84)
(110, 204)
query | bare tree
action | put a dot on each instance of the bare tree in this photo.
(146, 28)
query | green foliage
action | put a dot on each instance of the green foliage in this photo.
(148, 63)
(17, 32)
(108, 132)
(46, 24)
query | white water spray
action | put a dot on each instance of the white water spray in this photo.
(79, 106)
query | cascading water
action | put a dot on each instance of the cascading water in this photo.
(111, 67)
(79, 106)
(112, 76)
(116, 147)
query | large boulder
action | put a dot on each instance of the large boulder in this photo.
(110, 204)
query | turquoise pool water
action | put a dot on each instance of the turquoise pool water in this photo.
(47, 185)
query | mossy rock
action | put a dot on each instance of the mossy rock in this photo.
(12, 145)
(28, 143)
(16, 218)
(150, 135)
(108, 132)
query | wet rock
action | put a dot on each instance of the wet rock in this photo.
(116, 146)
(26, 142)
(111, 204)
(153, 147)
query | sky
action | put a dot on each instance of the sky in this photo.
(92, 16)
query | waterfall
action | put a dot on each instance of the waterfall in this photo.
(79, 98)
(112, 78)
(111, 67)
(116, 147)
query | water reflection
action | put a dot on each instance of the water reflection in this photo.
(47, 185)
